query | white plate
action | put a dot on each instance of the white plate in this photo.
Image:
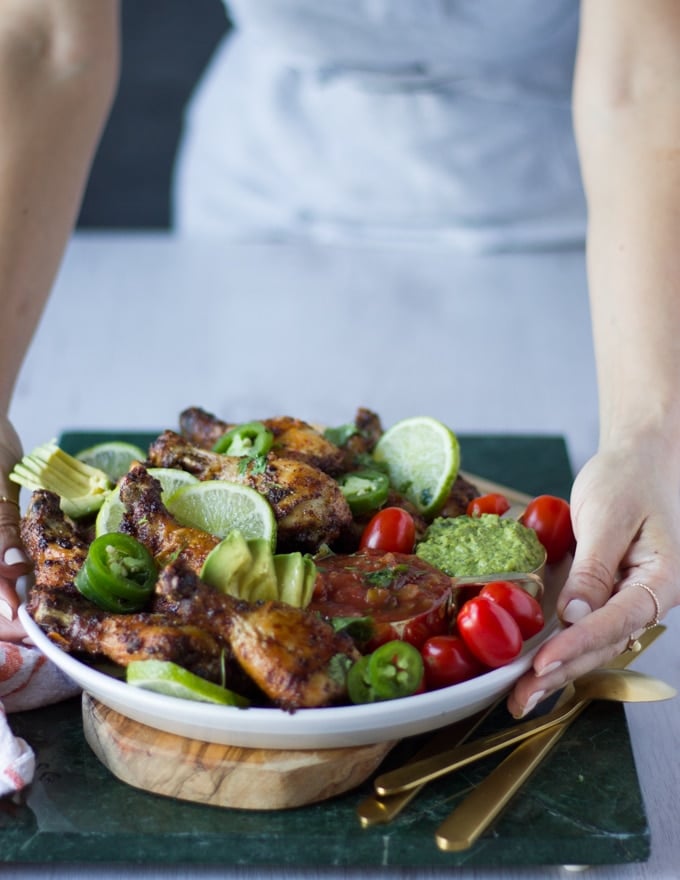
(307, 728)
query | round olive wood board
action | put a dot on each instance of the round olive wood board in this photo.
(224, 776)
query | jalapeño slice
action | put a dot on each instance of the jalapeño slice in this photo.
(365, 490)
(395, 669)
(251, 439)
(359, 688)
(118, 574)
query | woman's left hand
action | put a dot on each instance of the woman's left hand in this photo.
(626, 516)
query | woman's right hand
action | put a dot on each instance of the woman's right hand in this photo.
(13, 560)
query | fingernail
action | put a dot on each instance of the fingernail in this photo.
(6, 610)
(23, 584)
(576, 610)
(532, 702)
(14, 556)
(551, 667)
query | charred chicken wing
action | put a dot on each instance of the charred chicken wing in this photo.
(309, 507)
(147, 519)
(78, 626)
(72, 621)
(293, 438)
(294, 656)
(52, 542)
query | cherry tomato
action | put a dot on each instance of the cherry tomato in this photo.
(550, 518)
(490, 632)
(419, 629)
(494, 502)
(391, 529)
(448, 661)
(522, 606)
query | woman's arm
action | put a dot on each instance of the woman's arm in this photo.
(58, 72)
(626, 501)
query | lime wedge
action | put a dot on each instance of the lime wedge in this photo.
(422, 457)
(165, 677)
(114, 457)
(111, 511)
(218, 507)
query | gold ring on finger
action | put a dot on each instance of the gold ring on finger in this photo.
(657, 605)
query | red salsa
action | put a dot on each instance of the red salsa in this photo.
(389, 587)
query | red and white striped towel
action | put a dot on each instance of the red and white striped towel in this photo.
(27, 680)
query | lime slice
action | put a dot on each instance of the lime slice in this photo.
(422, 457)
(218, 507)
(165, 677)
(111, 511)
(113, 457)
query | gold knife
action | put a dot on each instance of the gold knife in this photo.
(478, 810)
(375, 810)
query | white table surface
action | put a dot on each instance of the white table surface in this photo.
(142, 326)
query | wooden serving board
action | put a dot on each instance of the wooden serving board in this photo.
(224, 776)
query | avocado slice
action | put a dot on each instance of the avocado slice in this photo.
(296, 576)
(227, 564)
(259, 580)
(248, 570)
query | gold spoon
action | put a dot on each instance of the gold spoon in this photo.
(617, 685)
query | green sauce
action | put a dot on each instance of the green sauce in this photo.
(466, 546)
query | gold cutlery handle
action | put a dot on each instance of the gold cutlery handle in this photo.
(479, 809)
(427, 769)
(375, 810)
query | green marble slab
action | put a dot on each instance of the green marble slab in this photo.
(583, 805)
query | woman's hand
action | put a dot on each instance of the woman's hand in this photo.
(13, 561)
(626, 515)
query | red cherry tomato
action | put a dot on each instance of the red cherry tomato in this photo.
(391, 529)
(550, 518)
(490, 632)
(419, 629)
(448, 661)
(494, 502)
(522, 606)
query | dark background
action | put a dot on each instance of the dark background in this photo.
(165, 47)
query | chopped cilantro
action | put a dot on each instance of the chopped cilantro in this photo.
(383, 577)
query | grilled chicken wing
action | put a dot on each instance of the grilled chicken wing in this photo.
(290, 653)
(146, 518)
(293, 438)
(52, 542)
(309, 507)
(78, 626)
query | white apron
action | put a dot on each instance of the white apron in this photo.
(387, 121)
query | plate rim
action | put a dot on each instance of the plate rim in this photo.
(260, 727)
